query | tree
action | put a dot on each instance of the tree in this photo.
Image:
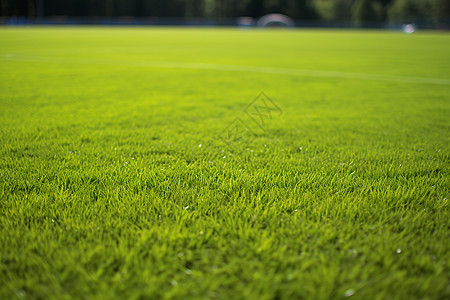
(410, 11)
(364, 11)
(342, 10)
(441, 10)
(383, 6)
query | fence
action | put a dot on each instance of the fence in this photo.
(443, 24)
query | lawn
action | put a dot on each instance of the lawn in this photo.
(186, 163)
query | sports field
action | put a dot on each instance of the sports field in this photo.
(164, 163)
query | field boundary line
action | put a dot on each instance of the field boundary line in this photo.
(232, 68)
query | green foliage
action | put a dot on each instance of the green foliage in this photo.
(365, 11)
(410, 11)
(216, 9)
(441, 10)
(342, 10)
(325, 9)
(105, 192)
(358, 11)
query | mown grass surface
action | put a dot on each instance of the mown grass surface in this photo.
(107, 193)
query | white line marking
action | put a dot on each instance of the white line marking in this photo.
(231, 68)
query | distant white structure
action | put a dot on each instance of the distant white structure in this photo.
(408, 28)
(275, 20)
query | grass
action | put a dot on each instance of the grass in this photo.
(107, 193)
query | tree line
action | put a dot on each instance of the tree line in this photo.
(358, 11)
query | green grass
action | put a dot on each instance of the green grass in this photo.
(105, 192)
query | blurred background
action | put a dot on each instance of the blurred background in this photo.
(430, 14)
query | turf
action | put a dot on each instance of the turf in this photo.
(119, 179)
